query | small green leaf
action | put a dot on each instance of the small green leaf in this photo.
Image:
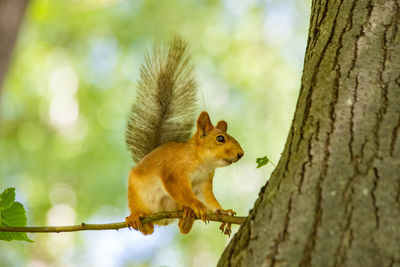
(12, 213)
(7, 198)
(263, 161)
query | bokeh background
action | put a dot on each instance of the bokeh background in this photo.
(66, 98)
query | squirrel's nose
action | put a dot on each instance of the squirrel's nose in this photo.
(239, 155)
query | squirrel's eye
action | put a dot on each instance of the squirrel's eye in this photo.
(220, 138)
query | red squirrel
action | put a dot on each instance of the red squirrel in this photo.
(173, 171)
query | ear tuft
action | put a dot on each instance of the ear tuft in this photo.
(204, 125)
(222, 125)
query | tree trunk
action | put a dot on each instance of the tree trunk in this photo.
(11, 13)
(334, 198)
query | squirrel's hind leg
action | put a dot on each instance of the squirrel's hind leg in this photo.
(185, 225)
(147, 229)
(138, 210)
(133, 221)
(186, 222)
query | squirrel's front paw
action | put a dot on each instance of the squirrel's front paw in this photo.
(200, 210)
(227, 212)
(133, 221)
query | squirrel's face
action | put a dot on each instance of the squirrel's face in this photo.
(216, 145)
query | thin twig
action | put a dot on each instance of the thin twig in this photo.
(115, 226)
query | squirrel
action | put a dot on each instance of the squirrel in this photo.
(173, 170)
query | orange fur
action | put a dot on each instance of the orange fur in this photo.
(179, 176)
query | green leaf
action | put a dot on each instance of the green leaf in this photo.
(12, 213)
(7, 198)
(263, 161)
(14, 216)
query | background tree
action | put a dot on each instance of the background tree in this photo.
(11, 14)
(334, 199)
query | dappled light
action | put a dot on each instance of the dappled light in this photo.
(65, 103)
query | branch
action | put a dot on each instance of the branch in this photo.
(115, 226)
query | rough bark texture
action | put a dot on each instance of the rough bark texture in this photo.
(334, 199)
(11, 13)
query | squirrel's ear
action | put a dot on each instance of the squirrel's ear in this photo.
(222, 125)
(204, 125)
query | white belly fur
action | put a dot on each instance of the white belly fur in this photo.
(154, 195)
(156, 198)
(198, 178)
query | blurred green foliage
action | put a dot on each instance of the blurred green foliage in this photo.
(66, 98)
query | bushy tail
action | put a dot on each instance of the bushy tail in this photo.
(164, 110)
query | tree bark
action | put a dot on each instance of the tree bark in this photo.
(11, 14)
(334, 198)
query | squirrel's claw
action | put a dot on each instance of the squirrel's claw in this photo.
(204, 218)
(226, 228)
(133, 221)
(188, 213)
(227, 212)
(222, 227)
(201, 211)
